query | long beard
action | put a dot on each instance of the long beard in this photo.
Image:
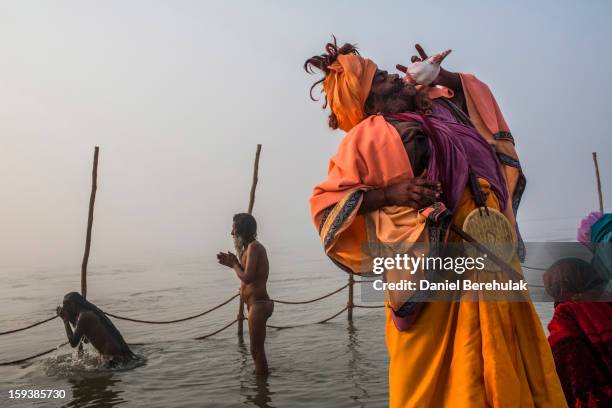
(240, 246)
(399, 88)
(400, 98)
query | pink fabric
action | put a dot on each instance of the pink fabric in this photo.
(584, 229)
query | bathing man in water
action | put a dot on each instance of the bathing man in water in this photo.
(251, 267)
(93, 325)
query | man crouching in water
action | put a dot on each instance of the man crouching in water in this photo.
(91, 324)
(251, 267)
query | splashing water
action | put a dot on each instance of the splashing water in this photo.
(89, 361)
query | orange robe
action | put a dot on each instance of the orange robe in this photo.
(457, 354)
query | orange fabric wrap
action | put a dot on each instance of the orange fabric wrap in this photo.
(482, 105)
(370, 156)
(488, 119)
(347, 87)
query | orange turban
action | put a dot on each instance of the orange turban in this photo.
(347, 87)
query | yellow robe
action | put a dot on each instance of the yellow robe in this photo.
(472, 354)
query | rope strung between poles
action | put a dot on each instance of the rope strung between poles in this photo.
(218, 331)
(29, 327)
(23, 360)
(129, 319)
(289, 302)
(307, 324)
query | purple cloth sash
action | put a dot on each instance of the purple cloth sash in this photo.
(454, 148)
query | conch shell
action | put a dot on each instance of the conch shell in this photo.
(426, 71)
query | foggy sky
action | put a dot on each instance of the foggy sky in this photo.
(177, 94)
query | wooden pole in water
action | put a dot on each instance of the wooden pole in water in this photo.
(601, 207)
(240, 316)
(92, 200)
(350, 304)
(255, 179)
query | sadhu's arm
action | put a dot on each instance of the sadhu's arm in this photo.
(416, 193)
(451, 80)
(249, 272)
(81, 326)
(373, 200)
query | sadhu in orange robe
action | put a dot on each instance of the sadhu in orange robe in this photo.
(456, 354)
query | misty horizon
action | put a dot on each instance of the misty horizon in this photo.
(177, 101)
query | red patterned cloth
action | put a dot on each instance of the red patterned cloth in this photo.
(581, 342)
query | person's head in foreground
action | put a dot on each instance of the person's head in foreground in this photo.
(573, 279)
(356, 88)
(92, 323)
(244, 231)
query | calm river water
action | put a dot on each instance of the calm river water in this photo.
(336, 364)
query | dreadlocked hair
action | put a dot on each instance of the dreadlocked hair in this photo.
(322, 63)
(78, 300)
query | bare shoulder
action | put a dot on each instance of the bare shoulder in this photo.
(256, 247)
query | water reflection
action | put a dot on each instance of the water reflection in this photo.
(354, 367)
(255, 389)
(260, 396)
(94, 391)
(244, 354)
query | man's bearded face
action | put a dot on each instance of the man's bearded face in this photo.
(389, 94)
(239, 243)
(390, 86)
